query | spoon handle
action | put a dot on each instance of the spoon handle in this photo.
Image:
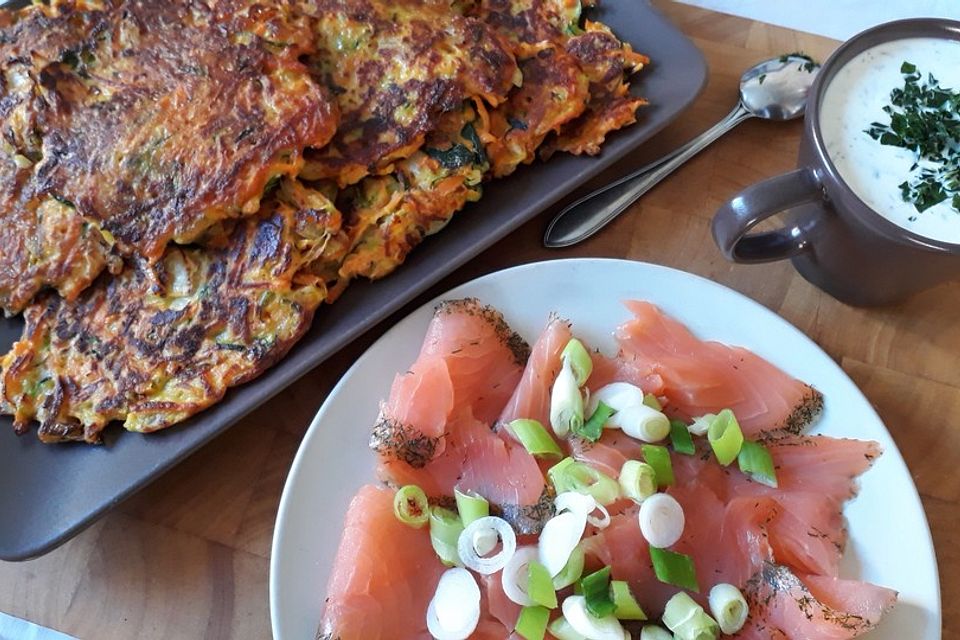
(594, 211)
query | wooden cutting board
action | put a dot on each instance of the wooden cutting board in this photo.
(189, 556)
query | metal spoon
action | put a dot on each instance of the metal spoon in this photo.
(772, 90)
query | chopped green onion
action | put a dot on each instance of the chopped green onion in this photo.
(725, 437)
(674, 568)
(471, 506)
(701, 425)
(638, 480)
(532, 623)
(627, 607)
(445, 530)
(651, 401)
(658, 457)
(653, 632)
(561, 630)
(593, 428)
(571, 571)
(688, 620)
(729, 607)
(571, 475)
(410, 506)
(540, 586)
(680, 438)
(581, 363)
(596, 590)
(566, 402)
(756, 463)
(535, 439)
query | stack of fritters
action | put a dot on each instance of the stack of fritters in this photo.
(185, 182)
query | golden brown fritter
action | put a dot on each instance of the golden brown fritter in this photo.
(607, 62)
(574, 88)
(396, 66)
(152, 120)
(387, 216)
(162, 341)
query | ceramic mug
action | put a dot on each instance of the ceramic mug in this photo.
(835, 240)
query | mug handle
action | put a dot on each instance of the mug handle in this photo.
(733, 221)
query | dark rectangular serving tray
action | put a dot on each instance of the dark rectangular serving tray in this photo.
(51, 492)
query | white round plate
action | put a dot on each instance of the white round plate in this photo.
(890, 540)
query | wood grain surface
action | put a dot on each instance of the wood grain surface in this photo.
(189, 556)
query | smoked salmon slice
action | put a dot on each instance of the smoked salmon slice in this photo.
(436, 429)
(700, 377)
(368, 597)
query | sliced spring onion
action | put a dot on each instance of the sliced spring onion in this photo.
(581, 363)
(411, 507)
(483, 564)
(566, 402)
(571, 475)
(454, 611)
(641, 422)
(585, 505)
(589, 626)
(661, 520)
(701, 425)
(445, 530)
(680, 438)
(601, 521)
(540, 586)
(638, 480)
(756, 463)
(725, 437)
(485, 541)
(688, 620)
(616, 395)
(571, 571)
(596, 589)
(582, 503)
(535, 439)
(653, 632)
(659, 458)
(514, 578)
(532, 623)
(626, 606)
(561, 630)
(651, 401)
(560, 536)
(592, 429)
(674, 568)
(470, 505)
(729, 607)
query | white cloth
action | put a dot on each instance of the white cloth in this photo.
(838, 19)
(16, 629)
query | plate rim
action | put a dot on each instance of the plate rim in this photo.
(612, 263)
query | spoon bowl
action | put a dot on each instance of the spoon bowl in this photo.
(775, 89)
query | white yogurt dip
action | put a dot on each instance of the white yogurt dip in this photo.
(855, 98)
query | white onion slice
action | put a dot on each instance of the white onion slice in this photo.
(576, 614)
(560, 535)
(583, 504)
(454, 611)
(469, 554)
(701, 425)
(603, 520)
(661, 520)
(642, 422)
(617, 396)
(575, 502)
(515, 577)
(485, 541)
